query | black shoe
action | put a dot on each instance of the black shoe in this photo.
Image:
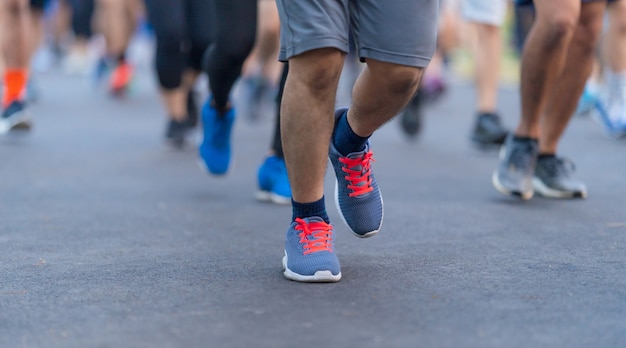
(488, 130)
(514, 175)
(176, 132)
(411, 117)
(553, 178)
(192, 109)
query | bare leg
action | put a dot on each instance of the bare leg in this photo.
(17, 48)
(307, 119)
(380, 92)
(269, 42)
(488, 55)
(571, 82)
(117, 23)
(61, 23)
(263, 59)
(544, 57)
(16, 33)
(175, 100)
(615, 49)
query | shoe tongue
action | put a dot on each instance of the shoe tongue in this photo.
(358, 154)
(314, 219)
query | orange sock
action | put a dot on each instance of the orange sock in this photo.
(14, 85)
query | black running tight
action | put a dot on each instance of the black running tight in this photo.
(277, 145)
(233, 34)
(183, 33)
(82, 13)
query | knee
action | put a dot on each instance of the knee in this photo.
(589, 30)
(559, 27)
(398, 80)
(587, 38)
(487, 30)
(318, 70)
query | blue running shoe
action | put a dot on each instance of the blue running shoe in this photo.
(273, 181)
(215, 147)
(587, 100)
(309, 253)
(356, 193)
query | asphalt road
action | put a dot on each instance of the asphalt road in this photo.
(110, 239)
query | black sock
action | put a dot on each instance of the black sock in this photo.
(543, 156)
(305, 210)
(518, 138)
(344, 138)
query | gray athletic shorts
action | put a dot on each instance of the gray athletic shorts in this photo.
(394, 31)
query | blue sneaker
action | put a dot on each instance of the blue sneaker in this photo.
(309, 253)
(587, 101)
(356, 193)
(273, 181)
(215, 147)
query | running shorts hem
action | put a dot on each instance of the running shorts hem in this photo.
(364, 53)
(291, 51)
(393, 58)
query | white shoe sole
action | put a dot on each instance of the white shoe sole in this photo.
(496, 183)
(545, 191)
(318, 277)
(20, 120)
(266, 196)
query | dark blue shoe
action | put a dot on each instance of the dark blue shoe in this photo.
(309, 253)
(356, 193)
(215, 148)
(273, 181)
(15, 117)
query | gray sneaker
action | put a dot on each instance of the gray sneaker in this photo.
(514, 175)
(488, 130)
(553, 179)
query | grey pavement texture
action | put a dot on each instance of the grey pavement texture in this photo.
(110, 239)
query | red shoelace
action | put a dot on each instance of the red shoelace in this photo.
(315, 236)
(360, 180)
